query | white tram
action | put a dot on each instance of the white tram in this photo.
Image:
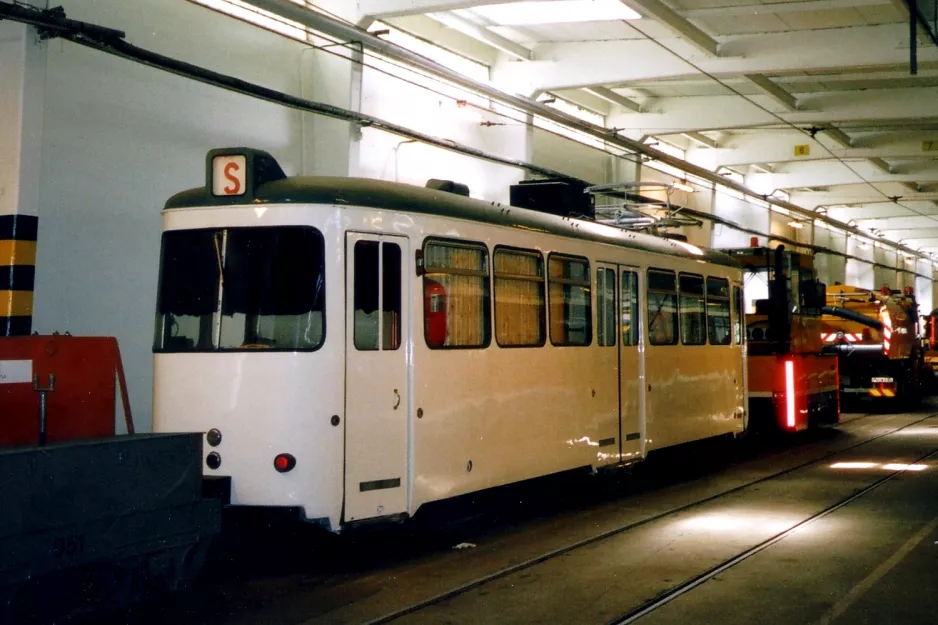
(356, 348)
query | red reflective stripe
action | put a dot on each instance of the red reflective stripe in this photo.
(790, 392)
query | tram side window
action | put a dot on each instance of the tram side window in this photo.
(519, 298)
(570, 306)
(718, 311)
(456, 295)
(605, 306)
(377, 322)
(693, 310)
(629, 308)
(662, 307)
(739, 316)
(241, 288)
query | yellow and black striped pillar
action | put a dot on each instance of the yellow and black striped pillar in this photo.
(17, 273)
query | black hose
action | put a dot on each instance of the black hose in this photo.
(845, 313)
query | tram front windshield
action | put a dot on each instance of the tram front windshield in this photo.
(241, 289)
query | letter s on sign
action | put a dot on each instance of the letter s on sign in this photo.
(235, 186)
(229, 174)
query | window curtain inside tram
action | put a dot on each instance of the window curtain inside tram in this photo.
(519, 298)
(461, 272)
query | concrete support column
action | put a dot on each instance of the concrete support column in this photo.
(923, 287)
(330, 147)
(22, 74)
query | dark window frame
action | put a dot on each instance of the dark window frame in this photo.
(680, 307)
(676, 327)
(600, 328)
(738, 314)
(588, 283)
(545, 330)
(160, 349)
(635, 304)
(729, 307)
(487, 303)
(381, 244)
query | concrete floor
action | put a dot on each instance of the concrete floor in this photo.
(869, 561)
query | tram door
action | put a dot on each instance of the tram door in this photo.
(631, 367)
(618, 329)
(377, 382)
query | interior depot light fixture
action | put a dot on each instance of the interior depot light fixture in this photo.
(682, 185)
(798, 225)
(556, 12)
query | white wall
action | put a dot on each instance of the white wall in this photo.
(860, 272)
(743, 213)
(120, 138)
(885, 276)
(831, 268)
(570, 157)
(389, 157)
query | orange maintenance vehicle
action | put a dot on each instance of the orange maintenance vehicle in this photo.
(793, 384)
(875, 335)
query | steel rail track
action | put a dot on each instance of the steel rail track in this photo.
(550, 555)
(670, 595)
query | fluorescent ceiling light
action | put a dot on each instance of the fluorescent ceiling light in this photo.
(556, 12)
(796, 224)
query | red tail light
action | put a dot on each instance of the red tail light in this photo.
(284, 463)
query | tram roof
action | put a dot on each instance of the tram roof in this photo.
(370, 193)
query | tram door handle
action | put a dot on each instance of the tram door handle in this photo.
(397, 399)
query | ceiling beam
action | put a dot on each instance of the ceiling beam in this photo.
(574, 64)
(586, 100)
(431, 30)
(880, 164)
(611, 96)
(380, 9)
(772, 90)
(831, 174)
(701, 139)
(482, 34)
(911, 186)
(745, 147)
(877, 108)
(664, 14)
(901, 231)
(779, 7)
(762, 168)
(858, 196)
(903, 10)
(839, 136)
